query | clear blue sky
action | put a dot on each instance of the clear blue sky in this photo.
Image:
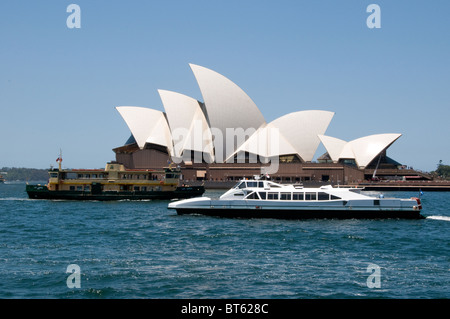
(59, 86)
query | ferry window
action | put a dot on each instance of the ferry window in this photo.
(252, 184)
(87, 176)
(80, 175)
(242, 185)
(263, 195)
(272, 196)
(297, 196)
(144, 188)
(79, 188)
(54, 175)
(261, 184)
(72, 188)
(335, 197)
(310, 196)
(285, 196)
(87, 188)
(169, 175)
(323, 196)
(70, 176)
(136, 188)
(238, 194)
(252, 196)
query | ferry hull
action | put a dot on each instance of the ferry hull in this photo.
(299, 214)
(42, 192)
(353, 209)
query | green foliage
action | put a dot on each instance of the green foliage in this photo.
(443, 170)
(24, 174)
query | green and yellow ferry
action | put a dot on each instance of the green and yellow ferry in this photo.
(115, 182)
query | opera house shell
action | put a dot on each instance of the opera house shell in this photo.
(225, 137)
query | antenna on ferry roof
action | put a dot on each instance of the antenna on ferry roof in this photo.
(59, 159)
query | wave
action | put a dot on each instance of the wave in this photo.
(446, 218)
(15, 199)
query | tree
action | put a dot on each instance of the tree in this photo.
(25, 174)
(442, 170)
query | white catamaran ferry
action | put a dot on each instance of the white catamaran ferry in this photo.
(266, 199)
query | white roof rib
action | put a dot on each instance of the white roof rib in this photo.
(227, 106)
(302, 128)
(147, 126)
(188, 124)
(363, 150)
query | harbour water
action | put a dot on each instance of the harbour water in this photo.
(141, 249)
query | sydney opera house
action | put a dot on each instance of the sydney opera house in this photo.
(225, 137)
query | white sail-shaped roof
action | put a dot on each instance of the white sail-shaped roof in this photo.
(302, 128)
(147, 126)
(227, 106)
(294, 133)
(188, 125)
(367, 148)
(266, 142)
(335, 147)
(363, 150)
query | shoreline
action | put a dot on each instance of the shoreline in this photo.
(435, 186)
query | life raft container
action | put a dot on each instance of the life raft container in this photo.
(419, 203)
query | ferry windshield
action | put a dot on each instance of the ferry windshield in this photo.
(249, 184)
(239, 185)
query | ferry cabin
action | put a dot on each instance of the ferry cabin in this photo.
(264, 190)
(114, 178)
(322, 197)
